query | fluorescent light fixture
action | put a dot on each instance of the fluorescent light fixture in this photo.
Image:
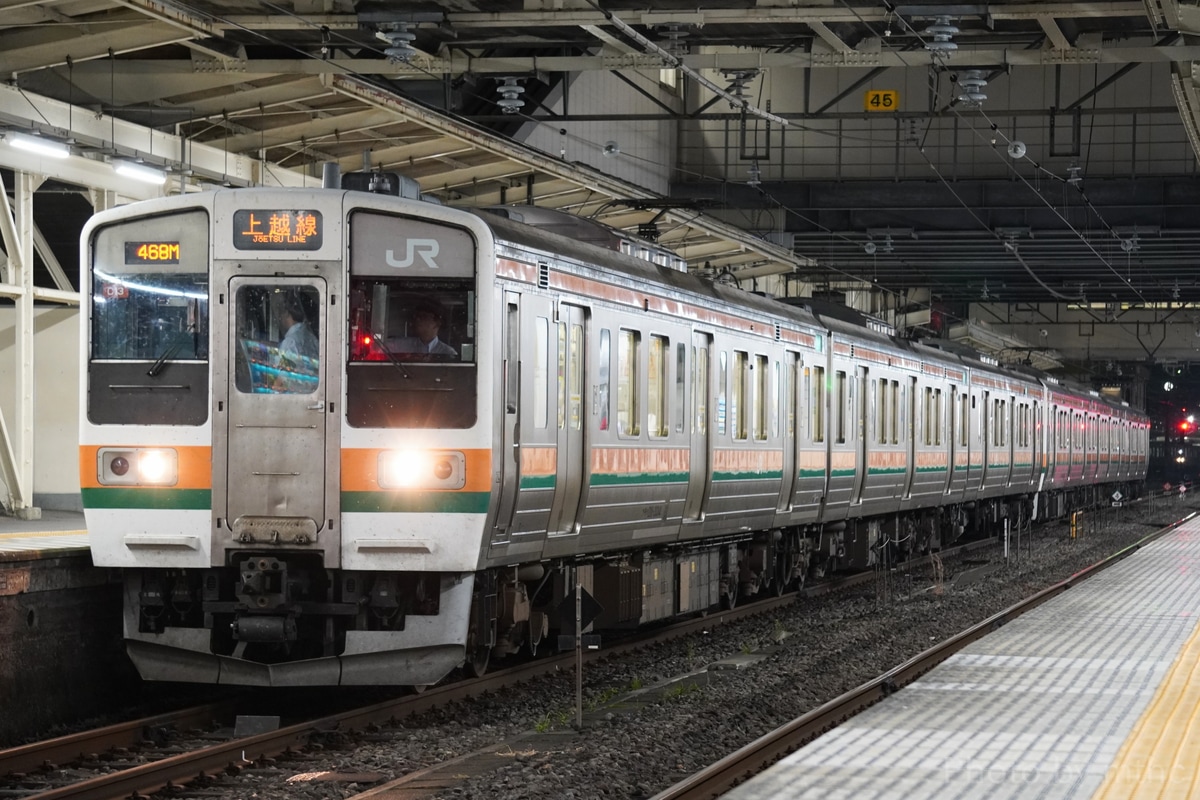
(140, 172)
(36, 144)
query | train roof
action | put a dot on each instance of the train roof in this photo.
(546, 239)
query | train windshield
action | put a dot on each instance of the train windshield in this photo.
(150, 290)
(411, 318)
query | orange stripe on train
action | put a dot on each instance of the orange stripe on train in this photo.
(360, 470)
(539, 461)
(639, 461)
(195, 465)
(747, 460)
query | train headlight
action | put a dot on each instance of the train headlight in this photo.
(158, 467)
(422, 469)
(138, 466)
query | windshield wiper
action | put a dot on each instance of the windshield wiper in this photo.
(390, 356)
(161, 364)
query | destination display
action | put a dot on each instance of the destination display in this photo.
(277, 229)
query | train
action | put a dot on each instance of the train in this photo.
(301, 489)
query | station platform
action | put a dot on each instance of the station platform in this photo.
(57, 533)
(1093, 694)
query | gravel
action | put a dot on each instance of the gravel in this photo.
(824, 647)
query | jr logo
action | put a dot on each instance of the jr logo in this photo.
(427, 249)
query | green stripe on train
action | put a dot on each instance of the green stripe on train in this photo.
(766, 475)
(422, 502)
(146, 497)
(637, 478)
(538, 482)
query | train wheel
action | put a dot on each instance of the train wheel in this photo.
(478, 659)
(781, 575)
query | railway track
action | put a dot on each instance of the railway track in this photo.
(760, 754)
(144, 756)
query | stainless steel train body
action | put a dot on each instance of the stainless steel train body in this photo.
(344, 512)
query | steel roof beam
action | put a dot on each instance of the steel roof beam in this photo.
(533, 158)
(767, 15)
(127, 139)
(458, 64)
(18, 55)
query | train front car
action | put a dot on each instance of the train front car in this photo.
(293, 473)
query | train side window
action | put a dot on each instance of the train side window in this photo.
(775, 394)
(979, 432)
(575, 389)
(722, 385)
(817, 404)
(511, 354)
(602, 380)
(737, 394)
(656, 387)
(562, 375)
(937, 417)
(680, 388)
(964, 420)
(928, 421)
(761, 384)
(1020, 424)
(841, 398)
(541, 372)
(700, 388)
(894, 412)
(1005, 422)
(881, 412)
(627, 384)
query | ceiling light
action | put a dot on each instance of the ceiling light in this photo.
(36, 144)
(140, 172)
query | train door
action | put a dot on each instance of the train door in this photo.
(572, 456)
(863, 414)
(792, 365)
(509, 462)
(700, 457)
(278, 453)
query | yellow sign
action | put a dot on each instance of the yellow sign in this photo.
(881, 100)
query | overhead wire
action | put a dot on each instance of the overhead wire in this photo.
(953, 107)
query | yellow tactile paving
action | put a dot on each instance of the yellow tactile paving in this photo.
(1161, 756)
(40, 534)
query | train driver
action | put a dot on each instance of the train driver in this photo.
(426, 322)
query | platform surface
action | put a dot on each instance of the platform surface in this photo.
(1094, 694)
(56, 533)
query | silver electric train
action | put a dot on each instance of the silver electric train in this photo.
(335, 437)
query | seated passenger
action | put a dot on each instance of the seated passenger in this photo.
(426, 322)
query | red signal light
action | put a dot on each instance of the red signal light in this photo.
(1185, 427)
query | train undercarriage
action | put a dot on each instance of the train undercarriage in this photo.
(276, 610)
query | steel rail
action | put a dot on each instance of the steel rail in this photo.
(75, 746)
